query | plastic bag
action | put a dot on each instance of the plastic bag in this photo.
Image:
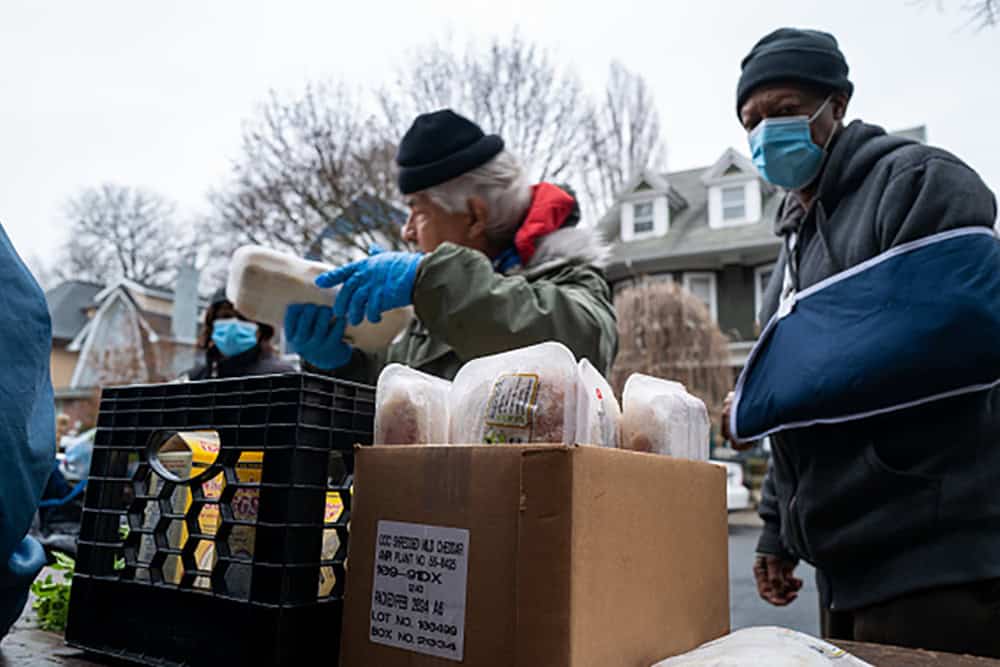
(771, 646)
(599, 416)
(523, 396)
(263, 283)
(411, 408)
(661, 417)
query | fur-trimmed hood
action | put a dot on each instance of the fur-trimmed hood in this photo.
(571, 245)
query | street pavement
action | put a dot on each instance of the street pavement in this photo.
(746, 607)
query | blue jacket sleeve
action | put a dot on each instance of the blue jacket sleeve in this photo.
(27, 426)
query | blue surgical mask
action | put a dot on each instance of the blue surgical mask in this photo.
(233, 337)
(783, 150)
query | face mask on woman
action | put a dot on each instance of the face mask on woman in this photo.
(232, 336)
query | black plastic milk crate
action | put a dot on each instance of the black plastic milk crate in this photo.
(240, 561)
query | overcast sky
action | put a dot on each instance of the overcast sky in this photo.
(153, 93)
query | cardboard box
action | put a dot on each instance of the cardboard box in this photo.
(533, 556)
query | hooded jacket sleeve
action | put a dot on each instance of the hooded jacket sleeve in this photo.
(27, 427)
(770, 538)
(463, 301)
(932, 194)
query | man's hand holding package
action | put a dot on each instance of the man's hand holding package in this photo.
(373, 285)
(776, 580)
(317, 336)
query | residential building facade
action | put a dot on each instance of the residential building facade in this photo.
(709, 229)
(119, 334)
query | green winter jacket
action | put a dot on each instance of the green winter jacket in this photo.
(466, 310)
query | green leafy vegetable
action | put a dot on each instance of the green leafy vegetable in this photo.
(52, 597)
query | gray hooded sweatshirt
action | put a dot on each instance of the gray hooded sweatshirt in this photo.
(907, 500)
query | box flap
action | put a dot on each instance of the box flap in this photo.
(650, 556)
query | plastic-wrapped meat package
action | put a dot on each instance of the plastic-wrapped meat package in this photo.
(522, 396)
(661, 417)
(775, 647)
(411, 408)
(598, 414)
(263, 283)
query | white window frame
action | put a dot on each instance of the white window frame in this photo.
(758, 289)
(752, 203)
(713, 306)
(736, 187)
(661, 216)
(652, 219)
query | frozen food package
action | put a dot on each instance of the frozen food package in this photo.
(598, 414)
(263, 283)
(522, 396)
(661, 417)
(772, 646)
(411, 408)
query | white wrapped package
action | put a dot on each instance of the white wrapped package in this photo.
(774, 647)
(661, 417)
(522, 396)
(598, 415)
(411, 408)
(263, 283)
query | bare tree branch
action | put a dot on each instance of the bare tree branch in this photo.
(121, 232)
(510, 86)
(623, 137)
(314, 177)
(982, 14)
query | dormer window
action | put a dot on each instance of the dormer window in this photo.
(735, 195)
(645, 207)
(642, 219)
(734, 202)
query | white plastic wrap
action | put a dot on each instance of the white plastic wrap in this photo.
(411, 408)
(598, 414)
(263, 283)
(774, 647)
(661, 417)
(522, 396)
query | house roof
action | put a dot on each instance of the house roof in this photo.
(690, 241)
(133, 286)
(67, 303)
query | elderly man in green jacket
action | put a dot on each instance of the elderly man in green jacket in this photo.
(501, 265)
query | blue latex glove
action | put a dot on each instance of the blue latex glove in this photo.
(373, 285)
(318, 338)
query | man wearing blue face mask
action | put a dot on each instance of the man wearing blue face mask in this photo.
(898, 511)
(234, 346)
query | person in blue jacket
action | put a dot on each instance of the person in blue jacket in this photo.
(27, 427)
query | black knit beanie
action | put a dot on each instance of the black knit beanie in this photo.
(440, 146)
(789, 54)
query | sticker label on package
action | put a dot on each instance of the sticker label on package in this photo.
(418, 593)
(510, 411)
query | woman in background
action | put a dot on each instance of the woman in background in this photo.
(234, 346)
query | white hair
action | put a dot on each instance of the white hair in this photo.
(501, 183)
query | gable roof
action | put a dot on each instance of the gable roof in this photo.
(68, 302)
(730, 164)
